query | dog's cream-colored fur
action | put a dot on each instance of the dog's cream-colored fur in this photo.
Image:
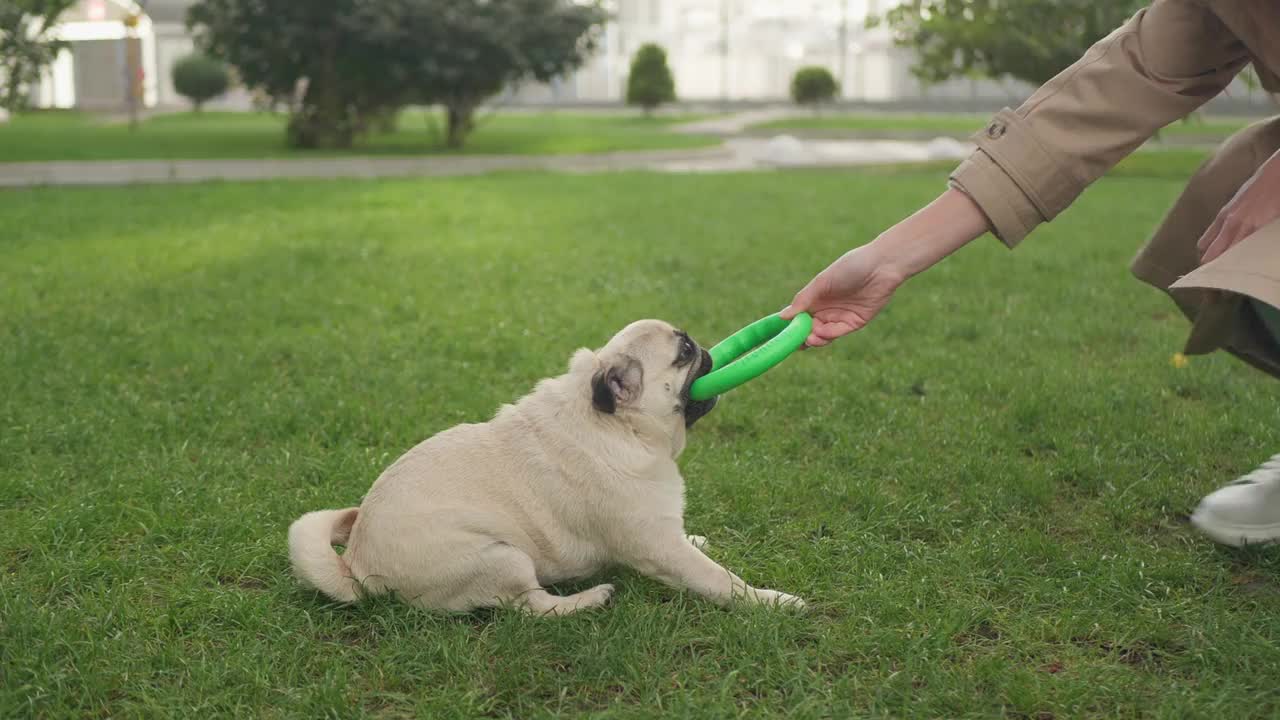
(578, 475)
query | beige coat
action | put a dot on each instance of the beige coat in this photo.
(1168, 60)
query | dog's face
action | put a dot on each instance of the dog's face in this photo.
(647, 369)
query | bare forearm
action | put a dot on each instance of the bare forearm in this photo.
(844, 297)
(935, 231)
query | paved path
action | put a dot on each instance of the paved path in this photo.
(735, 155)
(187, 171)
(738, 153)
(735, 123)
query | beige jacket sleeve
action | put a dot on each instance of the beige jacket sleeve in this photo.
(1033, 162)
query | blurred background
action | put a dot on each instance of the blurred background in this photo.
(731, 51)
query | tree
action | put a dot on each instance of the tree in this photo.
(1029, 40)
(650, 83)
(26, 46)
(344, 65)
(813, 86)
(200, 78)
(467, 51)
(328, 61)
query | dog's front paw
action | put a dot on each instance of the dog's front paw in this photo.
(697, 541)
(597, 596)
(779, 599)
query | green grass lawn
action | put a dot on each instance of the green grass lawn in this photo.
(983, 495)
(71, 136)
(962, 124)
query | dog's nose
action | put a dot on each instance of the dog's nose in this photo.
(705, 366)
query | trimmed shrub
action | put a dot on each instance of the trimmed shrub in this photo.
(200, 78)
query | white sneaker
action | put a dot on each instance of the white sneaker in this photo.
(1246, 512)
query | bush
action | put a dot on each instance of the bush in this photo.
(813, 86)
(200, 78)
(650, 83)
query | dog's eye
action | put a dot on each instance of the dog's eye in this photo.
(686, 351)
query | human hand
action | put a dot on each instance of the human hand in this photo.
(847, 295)
(1256, 203)
(852, 290)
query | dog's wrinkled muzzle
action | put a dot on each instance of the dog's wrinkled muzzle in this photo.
(695, 410)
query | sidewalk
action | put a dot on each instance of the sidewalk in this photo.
(734, 124)
(127, 172)
(735, 155)
(740, 151)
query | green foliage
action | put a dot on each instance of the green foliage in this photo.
(334, 44)
(200, 78)
(363, 58)
(813, 86)
(650, 83)
(1029, 40)
(26, 47)
(470, 50)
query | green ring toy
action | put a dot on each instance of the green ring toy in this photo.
(734, 362)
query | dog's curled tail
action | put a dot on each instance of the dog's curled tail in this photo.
(315, 562)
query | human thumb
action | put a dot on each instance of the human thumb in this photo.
(799, 303)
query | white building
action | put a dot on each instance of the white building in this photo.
(749, 49)
(93, 73)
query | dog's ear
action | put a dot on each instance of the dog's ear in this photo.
(601, 396)
(583, 362)
(617, 385)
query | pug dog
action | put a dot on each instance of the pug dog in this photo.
(578, 475)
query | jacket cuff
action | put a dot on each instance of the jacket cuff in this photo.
(1043, 177)
(1015, 179)
(1009, 211)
